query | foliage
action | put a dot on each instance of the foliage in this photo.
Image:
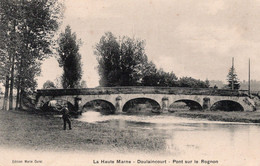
(120, 61)
(58, 82)
(124, 62)
(132, 60)
(40, 20)
(207, 83)
(48, 85)
(154, 77)
(108, 57)
(232, 76)
(83, 84)
(70, 59)
(27, 29)
(191, 82)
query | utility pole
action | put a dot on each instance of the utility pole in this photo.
(249, 81)
(232, 74)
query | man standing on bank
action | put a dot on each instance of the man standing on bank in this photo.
(66, 117)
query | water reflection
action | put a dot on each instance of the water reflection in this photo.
(192, 137)
(91, 117)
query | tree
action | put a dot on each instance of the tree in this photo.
(58, 82)
(27, 30)
(108, 57)
(207, 83)
(233, 82)
(5, 75)
(48, 85)
(8, 13)
(83, 84)
(150, 75)
(154, 77)
(40, 20)
(133, 59)
(69, 59)
(166, 79)
(120, 61)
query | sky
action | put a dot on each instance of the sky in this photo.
(191, 38)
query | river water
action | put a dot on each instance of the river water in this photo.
(194, 139)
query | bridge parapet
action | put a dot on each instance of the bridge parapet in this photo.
(137, 90)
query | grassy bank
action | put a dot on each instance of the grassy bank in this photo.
(20, 129)
(247, 117)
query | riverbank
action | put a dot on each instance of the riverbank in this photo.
(29, 130)
(246, 117)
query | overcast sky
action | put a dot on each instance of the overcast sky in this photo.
(191, 38)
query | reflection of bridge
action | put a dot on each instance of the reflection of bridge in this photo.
(118, 97)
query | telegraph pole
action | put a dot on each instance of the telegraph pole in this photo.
(249, 81)
(232, 74)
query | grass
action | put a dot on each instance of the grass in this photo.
(20, 129)
(247, 117)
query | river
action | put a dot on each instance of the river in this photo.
(194, 139)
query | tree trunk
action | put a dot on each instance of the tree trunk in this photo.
(17, 96)
(11, 84)
(6, 93)
(13, 51)
(20, 99)
(21, 82)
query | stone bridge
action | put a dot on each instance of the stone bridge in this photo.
(118, 97)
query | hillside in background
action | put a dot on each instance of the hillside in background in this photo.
(218, 83)
(255, 85)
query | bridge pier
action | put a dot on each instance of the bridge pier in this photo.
(165, 104)
(78, 105)
(118, 104)
(206, 104)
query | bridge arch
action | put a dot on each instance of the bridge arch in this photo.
(227, 105)
(141, 104)
(192, 104)
(99, 105)
(56, 105)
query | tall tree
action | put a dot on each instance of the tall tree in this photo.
(233, 79)
(120, 61)
(8, 21)
(27, 28)
(108, 57)
(70, 59)
(133, 59)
